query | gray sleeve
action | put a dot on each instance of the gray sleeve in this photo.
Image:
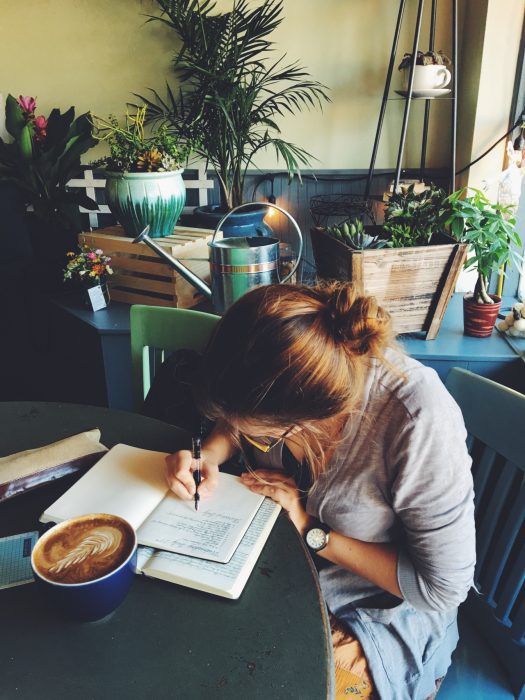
(432, 495)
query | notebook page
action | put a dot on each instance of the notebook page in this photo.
(126, 481)
(213, 532)
(227, 580)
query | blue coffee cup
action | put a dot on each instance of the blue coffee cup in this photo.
(90, 599)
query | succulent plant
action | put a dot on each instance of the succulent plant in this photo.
(412, 218)
(428, 58)
(353, 234)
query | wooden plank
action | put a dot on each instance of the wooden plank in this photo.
(443, 297)
(129, 298)
(147, 267)
(358, 272)
(144, 284)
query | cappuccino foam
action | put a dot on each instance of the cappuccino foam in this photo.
(83, 549)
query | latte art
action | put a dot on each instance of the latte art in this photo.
(99, 544)
(83, 550)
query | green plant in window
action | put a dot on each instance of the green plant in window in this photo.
(490, 231)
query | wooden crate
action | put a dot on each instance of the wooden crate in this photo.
(414, 284)
(142, 277)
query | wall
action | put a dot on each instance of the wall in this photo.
(96, 54)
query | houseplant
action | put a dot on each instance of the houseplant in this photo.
(410, 263)
(144, 174)
(431, 70)
(39, 162)
(489, 230)
(231, 91)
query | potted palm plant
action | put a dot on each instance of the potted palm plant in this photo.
(231, 91)
(489, 230)
(144, 183)
(410, 263)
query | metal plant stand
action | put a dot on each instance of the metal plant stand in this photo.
(345, 206)
(409, 97)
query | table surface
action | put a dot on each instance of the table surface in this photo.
(164, 641)
(451, 343)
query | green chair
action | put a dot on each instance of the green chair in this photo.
(490, 659)
(157, 331)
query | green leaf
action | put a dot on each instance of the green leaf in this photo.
(25, 142)
(14, 117)
(458, 226)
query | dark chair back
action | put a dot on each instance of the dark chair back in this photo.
(495, 420)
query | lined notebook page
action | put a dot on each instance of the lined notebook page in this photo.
(213, 532)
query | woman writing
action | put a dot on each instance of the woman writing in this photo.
(365, 450)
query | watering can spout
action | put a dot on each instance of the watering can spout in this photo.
(184, 271)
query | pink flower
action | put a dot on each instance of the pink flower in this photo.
(40, 124)
(28, 104)
(91, 256)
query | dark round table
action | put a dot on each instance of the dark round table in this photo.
(164, 641)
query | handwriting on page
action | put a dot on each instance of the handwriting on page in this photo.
(208, 572)
(205, 532)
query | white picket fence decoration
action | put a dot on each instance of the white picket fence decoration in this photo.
(90, 181)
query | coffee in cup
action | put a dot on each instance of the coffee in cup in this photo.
(86, 564)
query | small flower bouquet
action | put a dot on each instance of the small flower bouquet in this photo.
(90, 268)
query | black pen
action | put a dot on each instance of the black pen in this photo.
(196, 450)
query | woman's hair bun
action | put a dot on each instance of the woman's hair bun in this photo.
(357, 320)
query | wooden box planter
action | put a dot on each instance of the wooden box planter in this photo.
(142, 277)
(413, 284)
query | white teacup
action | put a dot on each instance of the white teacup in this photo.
(430, 77)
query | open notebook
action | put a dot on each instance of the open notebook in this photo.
(213, 549)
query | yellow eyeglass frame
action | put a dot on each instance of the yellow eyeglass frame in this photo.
(271, 445)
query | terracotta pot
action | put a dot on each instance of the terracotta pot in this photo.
(479, 319)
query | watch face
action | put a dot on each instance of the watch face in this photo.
(316, 538)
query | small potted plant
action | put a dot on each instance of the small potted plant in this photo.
(144, 174)
(410, 263)
(90, 269)
(489, 230)
(431, 71)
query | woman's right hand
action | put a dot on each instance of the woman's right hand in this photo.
(179, 473)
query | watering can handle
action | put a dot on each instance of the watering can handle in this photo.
(283, 211)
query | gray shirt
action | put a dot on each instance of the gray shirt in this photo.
(402, 474)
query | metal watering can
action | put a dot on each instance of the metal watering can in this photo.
(237, 264)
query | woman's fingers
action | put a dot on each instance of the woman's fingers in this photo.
(210, 479)
(281, 491)
(179, 474)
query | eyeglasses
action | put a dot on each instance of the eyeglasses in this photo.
(270, 445)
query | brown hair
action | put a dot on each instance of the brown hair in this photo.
(288, 355)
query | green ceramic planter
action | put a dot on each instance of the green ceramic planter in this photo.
(139, 199)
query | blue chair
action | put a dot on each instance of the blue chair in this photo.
(157, 331)
(489, 663)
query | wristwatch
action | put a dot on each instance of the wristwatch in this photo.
(317, 537)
